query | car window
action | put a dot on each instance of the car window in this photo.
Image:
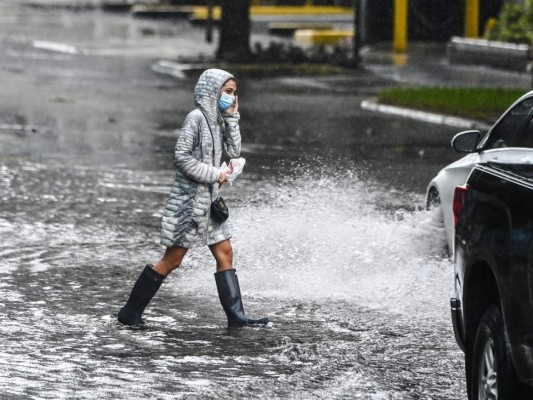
(508, 131)
(527, 138)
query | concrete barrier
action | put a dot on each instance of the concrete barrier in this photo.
(494, 54)
(288, 28)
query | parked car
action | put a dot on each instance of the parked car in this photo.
(509, 140)
(492, 311)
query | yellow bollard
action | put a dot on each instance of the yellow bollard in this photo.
(472, 19)
(400, 25)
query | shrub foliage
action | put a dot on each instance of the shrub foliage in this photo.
(515, 23)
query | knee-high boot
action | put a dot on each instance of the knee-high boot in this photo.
(144, 289)
(229, 293)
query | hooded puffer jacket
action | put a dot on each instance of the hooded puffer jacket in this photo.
(186, 218)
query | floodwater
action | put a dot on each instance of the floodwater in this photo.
(357, 296)
(329, 236)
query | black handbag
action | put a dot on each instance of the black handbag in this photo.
(219, 209)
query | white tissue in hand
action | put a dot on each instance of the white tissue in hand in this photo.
(234, 168)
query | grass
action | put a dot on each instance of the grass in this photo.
(476, 103)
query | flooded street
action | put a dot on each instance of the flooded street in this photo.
(330, 239)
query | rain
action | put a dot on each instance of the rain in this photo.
(331, 237)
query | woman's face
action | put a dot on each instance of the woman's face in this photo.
(230, 87)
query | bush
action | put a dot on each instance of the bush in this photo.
(289, 54)
(515, 24)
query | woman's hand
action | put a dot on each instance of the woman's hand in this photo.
(222, 178)
(235, 107)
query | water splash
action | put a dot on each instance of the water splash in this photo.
(334, 238)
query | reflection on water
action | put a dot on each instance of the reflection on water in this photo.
(352, 284)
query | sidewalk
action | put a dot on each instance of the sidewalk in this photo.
(425, 64)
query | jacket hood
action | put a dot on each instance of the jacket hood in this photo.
(207, 91)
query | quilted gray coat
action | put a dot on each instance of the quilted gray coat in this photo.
(186, 218)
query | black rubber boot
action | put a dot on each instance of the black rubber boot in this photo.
(144, 289)
(229, 293)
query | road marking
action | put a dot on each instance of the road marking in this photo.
(18, 127)
(13, 127)
(433, 118)
(57, 47)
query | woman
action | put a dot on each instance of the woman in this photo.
(209, 129)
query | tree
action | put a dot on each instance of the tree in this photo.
(234, 43)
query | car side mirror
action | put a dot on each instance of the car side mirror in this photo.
(466, 142)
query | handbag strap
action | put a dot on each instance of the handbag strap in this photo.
(213, 141)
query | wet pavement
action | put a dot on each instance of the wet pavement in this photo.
(329, 237)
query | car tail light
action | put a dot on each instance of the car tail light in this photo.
(459, 198)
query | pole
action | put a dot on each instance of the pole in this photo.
(400, 25)
(472, 19)
(359, 36)
(209, 30)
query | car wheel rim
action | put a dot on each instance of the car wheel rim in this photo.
(488, 377)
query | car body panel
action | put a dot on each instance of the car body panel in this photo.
(458, 172)
(495, 231)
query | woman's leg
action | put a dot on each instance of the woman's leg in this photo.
(171, 260)
(223, 253)
(228, 288)
(147, 285)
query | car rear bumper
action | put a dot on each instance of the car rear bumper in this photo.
(455, 305)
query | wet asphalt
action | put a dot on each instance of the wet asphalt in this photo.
(330, 239)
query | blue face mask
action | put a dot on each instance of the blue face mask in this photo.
(225, 101)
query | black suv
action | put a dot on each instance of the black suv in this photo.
(492, 311)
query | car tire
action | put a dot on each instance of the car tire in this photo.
(492, 373)
(432, 199)
(433, 205)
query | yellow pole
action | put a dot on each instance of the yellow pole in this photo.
(400, 25)
(472, 19)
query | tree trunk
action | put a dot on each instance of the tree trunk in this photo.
(234, 44)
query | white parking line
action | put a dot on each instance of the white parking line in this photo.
(17, 127)
(57, 47)
(12, 127)
(433, 118)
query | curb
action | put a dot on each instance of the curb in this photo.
(177, 70)
(161, 11)
(503, 55)
(253, 70)
(434, 118)
(200, 13)
(322, 36)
